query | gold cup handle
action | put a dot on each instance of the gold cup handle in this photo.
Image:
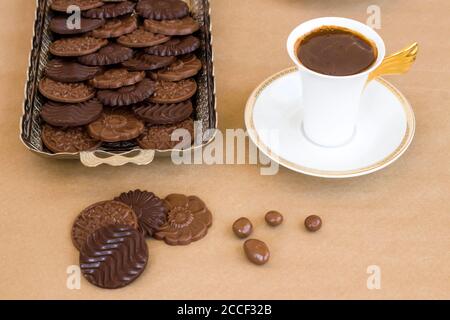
(397, 63)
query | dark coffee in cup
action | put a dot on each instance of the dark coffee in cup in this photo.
(336, 51)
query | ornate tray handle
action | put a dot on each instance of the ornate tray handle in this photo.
(397, 63)
(95, 158)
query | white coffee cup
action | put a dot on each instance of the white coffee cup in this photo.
(330, 103)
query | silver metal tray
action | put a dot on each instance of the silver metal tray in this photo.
(116, 154)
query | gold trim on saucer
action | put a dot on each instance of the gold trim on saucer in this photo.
(406, 141)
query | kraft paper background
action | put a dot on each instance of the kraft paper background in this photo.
(398, 219)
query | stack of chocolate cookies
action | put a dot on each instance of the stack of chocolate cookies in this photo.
(122, 72)
(111, 235)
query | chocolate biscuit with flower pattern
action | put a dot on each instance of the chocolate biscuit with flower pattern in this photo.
(150, 210)
(116, 124)
(188, 220)
(174, 92)
(68, 140)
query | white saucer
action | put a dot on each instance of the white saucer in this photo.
(384, 131)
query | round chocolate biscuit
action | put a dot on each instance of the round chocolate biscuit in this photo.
(69, 71)
(111, 10)
(188, 220)
(128, 95)
(72, 114)
(100, 215)
(62, 5)
(111, 54)
(159, 137)
(114, 256)
(114, 28)
(164, 113)
(150, 210)
(175, 46)
(59, 24)
(117, 78)
(177, 27)
(116, 124)
(66, 92)
(76, 46)
(185, 67)
(162, 9)
(174, 92)
(141, 38)
(68, 140)
(147, 62)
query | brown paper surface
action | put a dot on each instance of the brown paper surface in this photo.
(397, 219)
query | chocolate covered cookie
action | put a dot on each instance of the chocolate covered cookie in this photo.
(141, 38)
(156, 114)
(162, 9)
(147, 62)
(114, 256)
(183, 68)
(116, 124)
(177, 27)
(116, 27)
(162, 137)
(111, 54)
(174, 92)
(62, 5)
(59, 25)
(126, 96)
(71, 115)
(175, 46)
(150, 210)
(76, 46)
(69, 71)
(117, 78)
(188, 220)
(111, 10)
(65, 92)
(68, 140)
(100, 215)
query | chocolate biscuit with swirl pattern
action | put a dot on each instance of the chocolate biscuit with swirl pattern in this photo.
(114, 256)
(154, 113)
(71, 114)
